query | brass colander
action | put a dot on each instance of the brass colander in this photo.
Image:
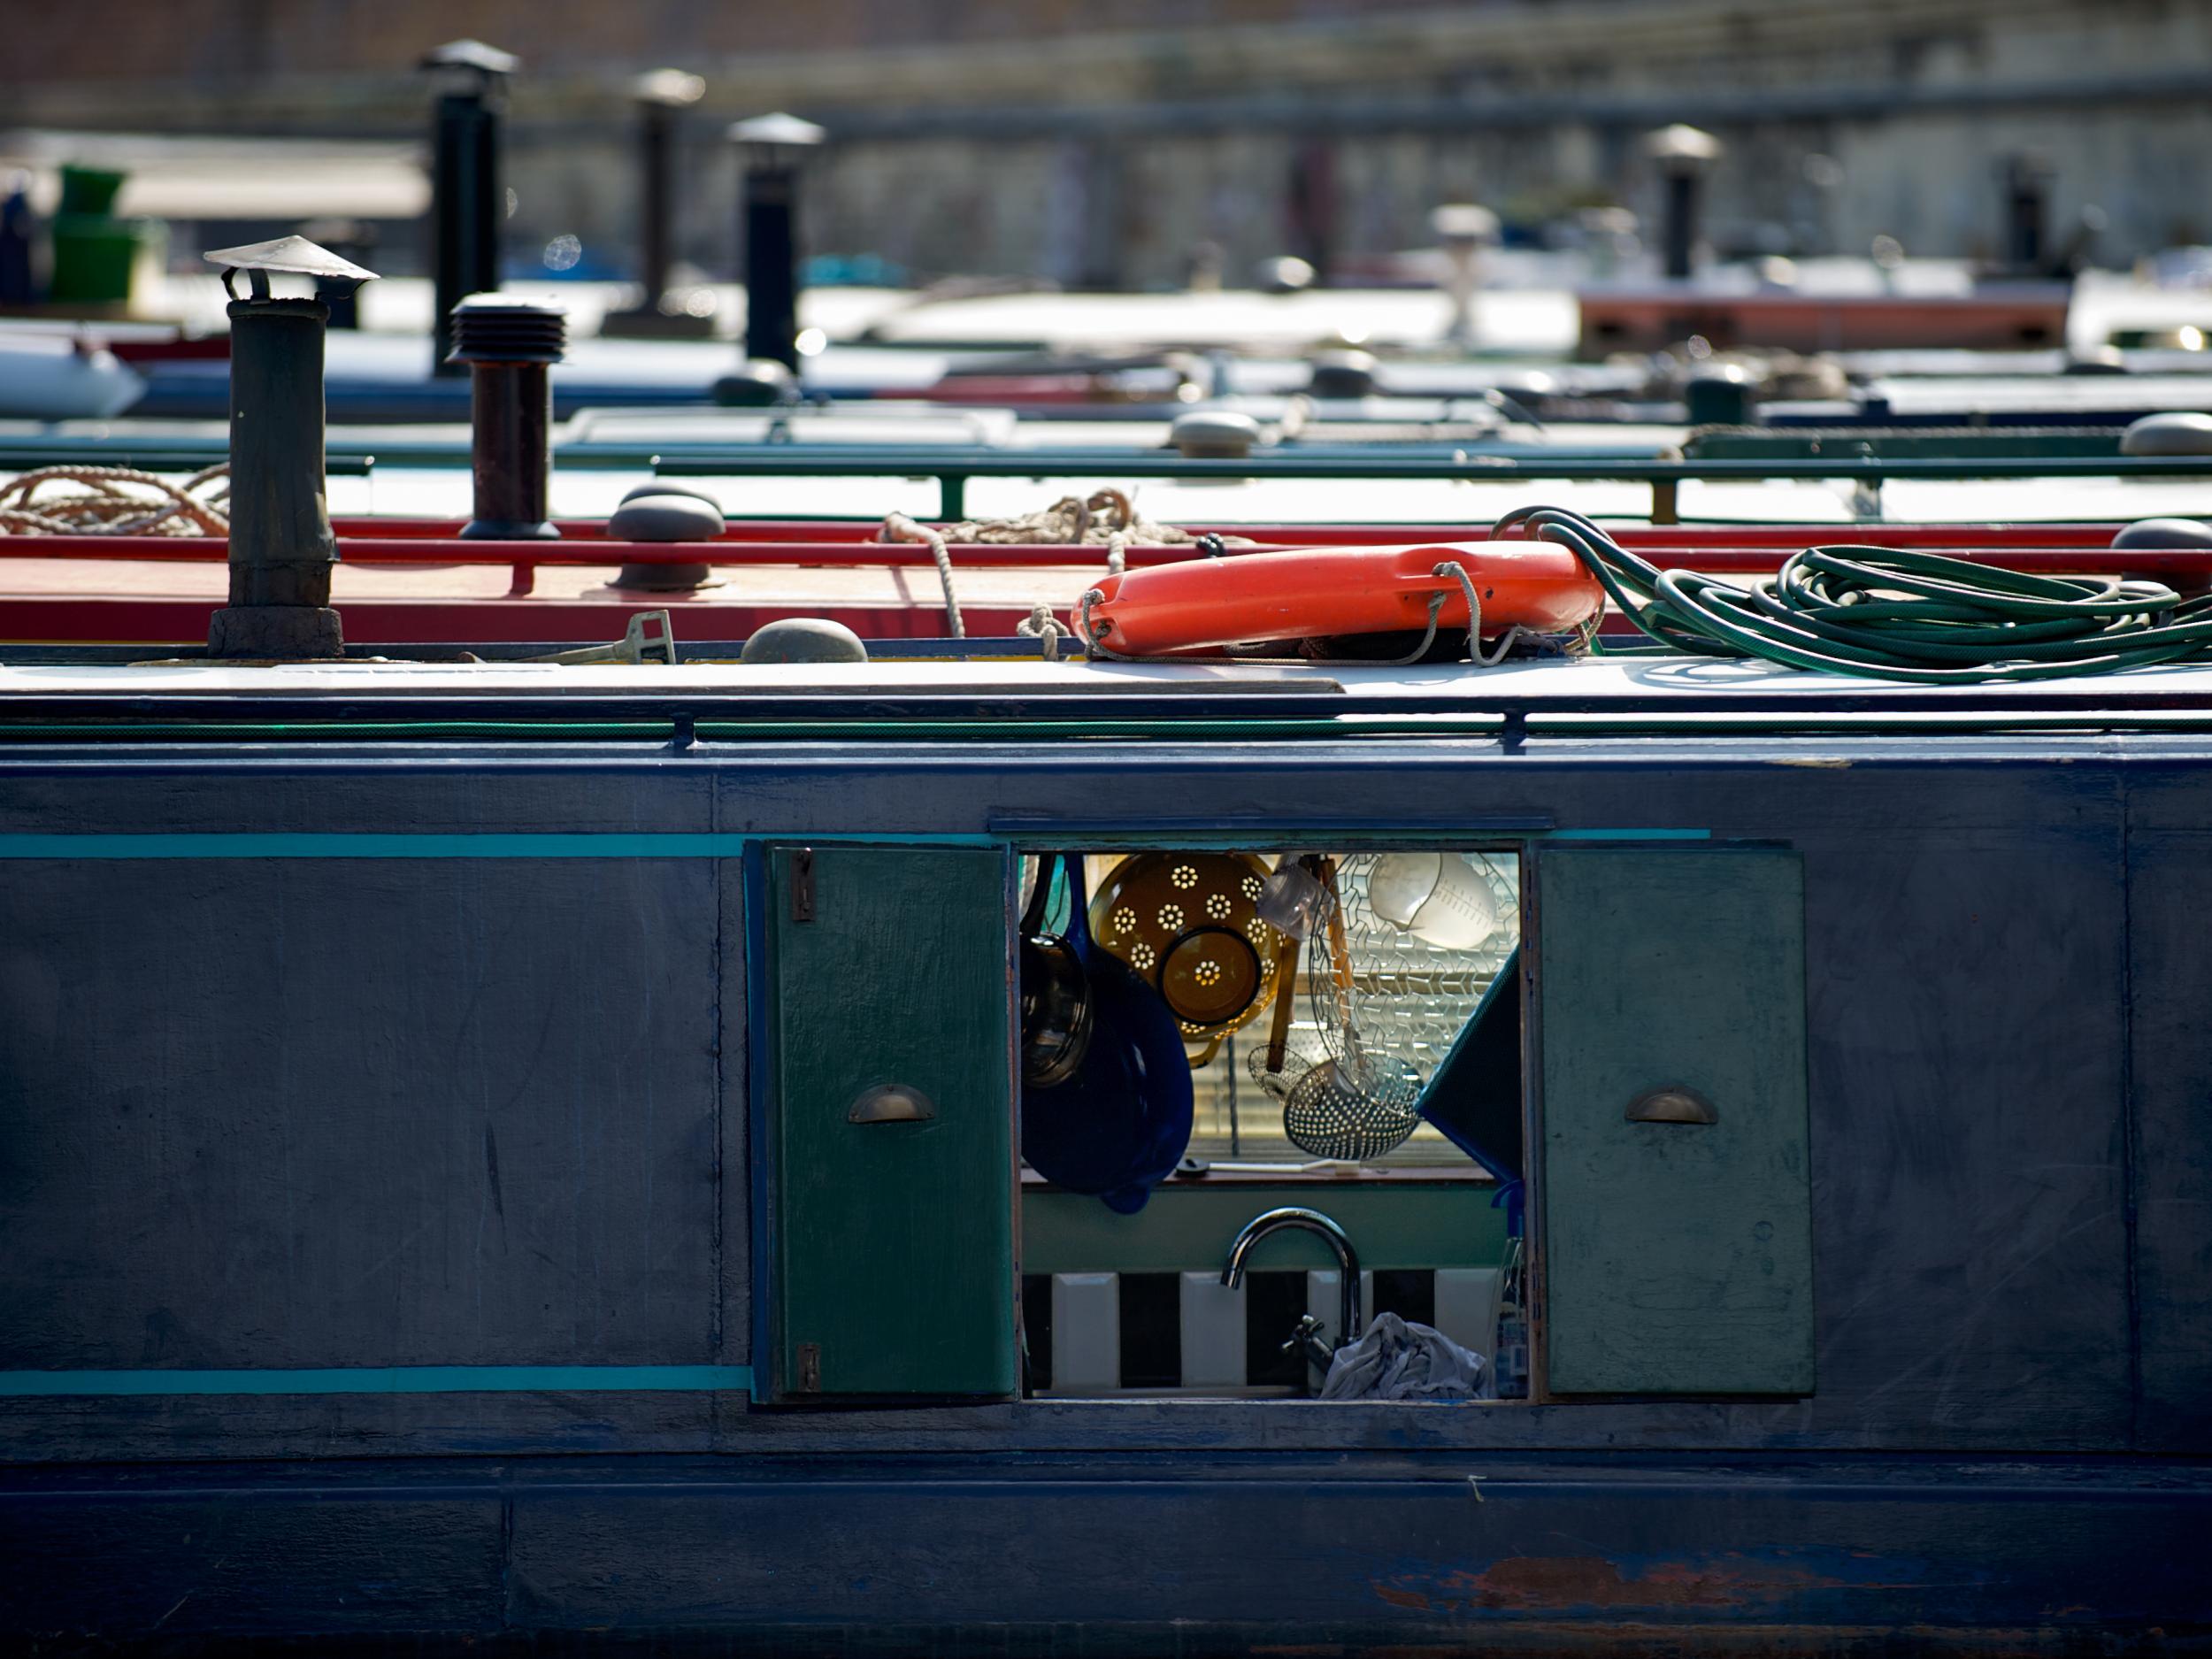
(1189, 925)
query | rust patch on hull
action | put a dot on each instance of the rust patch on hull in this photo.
(1556, 1584)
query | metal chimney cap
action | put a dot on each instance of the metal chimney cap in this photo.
(1463, 221)
(777, 129)
(670, 88)
(487, 60)
(1681, 144)
(499, 328)
(286, 255)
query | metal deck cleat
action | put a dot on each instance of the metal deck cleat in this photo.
(649, 632)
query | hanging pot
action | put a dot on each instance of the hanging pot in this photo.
(1116, 1121)
(1189, 925)
(1055, 1000)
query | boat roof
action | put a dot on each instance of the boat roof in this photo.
(1597, 685)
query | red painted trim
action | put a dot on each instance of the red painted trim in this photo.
(154, 622)
(1748, 549)
(2083, 548)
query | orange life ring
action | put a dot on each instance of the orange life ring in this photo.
(1205, 605)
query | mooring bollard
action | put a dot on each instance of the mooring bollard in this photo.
(281, 546)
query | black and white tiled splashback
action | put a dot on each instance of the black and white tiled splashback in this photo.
(1093, 1334)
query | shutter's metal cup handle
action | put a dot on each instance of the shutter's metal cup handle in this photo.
(1673, 1105)
(891, 1103)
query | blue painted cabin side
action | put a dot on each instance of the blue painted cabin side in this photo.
(376, 1084)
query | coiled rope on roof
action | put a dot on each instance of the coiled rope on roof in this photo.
(114, 501)
(1886, 614)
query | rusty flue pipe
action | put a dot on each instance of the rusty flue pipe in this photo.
(508, 347)
(281, 545)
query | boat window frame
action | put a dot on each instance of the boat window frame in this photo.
(1089, 839)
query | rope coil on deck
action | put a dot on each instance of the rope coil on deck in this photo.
(1106, 519)
(104, 506)
(1888, 613)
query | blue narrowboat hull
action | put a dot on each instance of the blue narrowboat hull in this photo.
(1187, 1551)
(383, 1258)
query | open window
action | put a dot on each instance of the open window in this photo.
(1348, 1026)
(1022, 1106)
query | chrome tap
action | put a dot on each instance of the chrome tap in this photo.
(1347, 1324)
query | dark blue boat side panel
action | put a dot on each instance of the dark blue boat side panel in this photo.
(1968, 1070)
(1967, 934)
(289, 1112)
(2012, 1198)
(2170, 899)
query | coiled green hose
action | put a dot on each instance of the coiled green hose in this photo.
(1884, 613)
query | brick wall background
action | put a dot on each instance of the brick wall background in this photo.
(1101, 144)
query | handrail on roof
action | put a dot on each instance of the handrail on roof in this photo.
(952, 468)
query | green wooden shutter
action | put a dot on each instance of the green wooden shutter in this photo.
(1676, 1256)
(892, 1234)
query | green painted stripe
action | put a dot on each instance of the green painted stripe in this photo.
(387, 1379)
(347, 844)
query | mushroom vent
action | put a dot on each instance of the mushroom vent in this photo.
(508, 331)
